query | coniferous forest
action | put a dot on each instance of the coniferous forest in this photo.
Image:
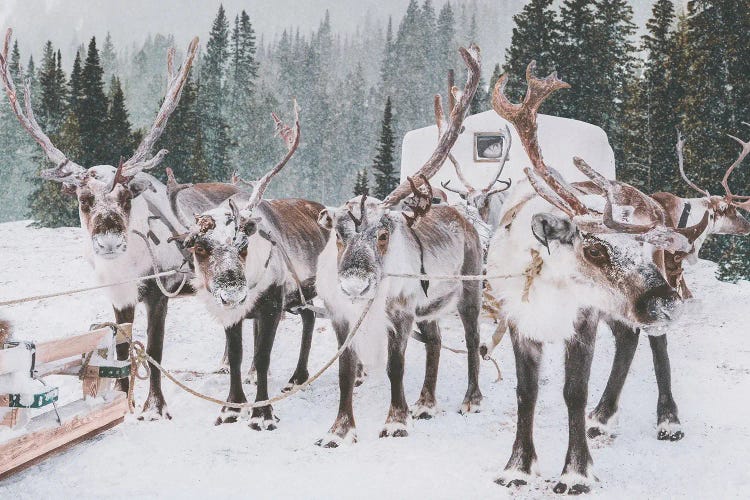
(687, 69)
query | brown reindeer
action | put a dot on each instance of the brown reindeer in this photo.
(712, 214)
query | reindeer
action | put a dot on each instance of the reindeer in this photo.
(574, 262)
(717, 215)
(255, 259)
(115, 202)
(370, 239)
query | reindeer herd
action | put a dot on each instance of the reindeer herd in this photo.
(571, 255)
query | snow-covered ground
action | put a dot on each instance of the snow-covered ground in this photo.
(450, 456)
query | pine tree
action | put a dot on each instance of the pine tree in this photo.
(536, 37)
(652, 110)
(243, 72)
(49, 203)
(92, 112)
(383, 166)
(361, 185)
(446, 42)
(497, 72)
(76, 86)
(183, 138)
(715, 103)
(119, 137)
(576, 58)
(213, 125)
(109, 57)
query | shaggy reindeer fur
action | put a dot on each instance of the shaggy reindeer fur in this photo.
(582, 276)
(254, 281)
(724, 218)
(353, 268)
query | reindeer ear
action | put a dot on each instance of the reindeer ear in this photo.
(138, 186)
(325, 220)
(548, 227)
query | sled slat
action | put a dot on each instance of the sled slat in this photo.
(44, 435)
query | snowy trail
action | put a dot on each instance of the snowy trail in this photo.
(450, 456)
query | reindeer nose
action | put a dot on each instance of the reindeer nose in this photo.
(109, 245)
(232, 297)
(354, 286)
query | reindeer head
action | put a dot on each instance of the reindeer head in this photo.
(366, 229)
(593, 245)
(105, 193)
(221, 238)
(725, 218)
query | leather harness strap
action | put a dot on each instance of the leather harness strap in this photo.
(684, 216)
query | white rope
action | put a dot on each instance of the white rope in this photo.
(75, 291)
(454, 277)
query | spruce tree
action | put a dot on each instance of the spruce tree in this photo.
(109, 57)
(652, 109)
(213, 125)
(446, 43)
(92, 111)
(76, 86)
(536, 37)
(243, 72)
(383, 166)
(576, 59)
(50, 204)
(119, 137)
(361, 185)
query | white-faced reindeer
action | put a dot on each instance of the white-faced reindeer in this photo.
(115, 202)
(371, 239)
(722, 216)
(575, 261)
(256, 259)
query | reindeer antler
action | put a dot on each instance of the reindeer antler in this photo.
(523, 117)
(472, 59)
(139, 161)
(725, 181)
(680, 147)
(291, 138)
(66, 170)
(420, 201)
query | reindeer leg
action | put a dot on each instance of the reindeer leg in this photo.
(579, 352)
(522, 463)
(424, 408)
(155, 407)
(224, 363)
(124, 315)
(269, 314)
(398, 414)
(252, 373)
(234, 356)
(603, 418)
(668, 422)
(300, 373)
(469, 307)
(343, 429)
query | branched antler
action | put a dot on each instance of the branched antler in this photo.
(291, 137)
(472, 60)
(140, 161)
(66, 170)
(420, 201)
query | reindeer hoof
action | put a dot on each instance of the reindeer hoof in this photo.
(670, 431)
(297, 379)
(333, 440)
(424, 410)
(599, 429)
(394, 429)
(579, 484)
(514, 478)
(228, 416)
(484, 351)
(471, 407)
(154, 409)
(262, 424)
(251, 378)
(576, 489)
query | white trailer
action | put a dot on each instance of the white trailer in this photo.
(477, 150)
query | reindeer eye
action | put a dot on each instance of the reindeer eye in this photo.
(200, 251)
(596, 253)
(249, 228)
(383, 236)
(86, 201)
